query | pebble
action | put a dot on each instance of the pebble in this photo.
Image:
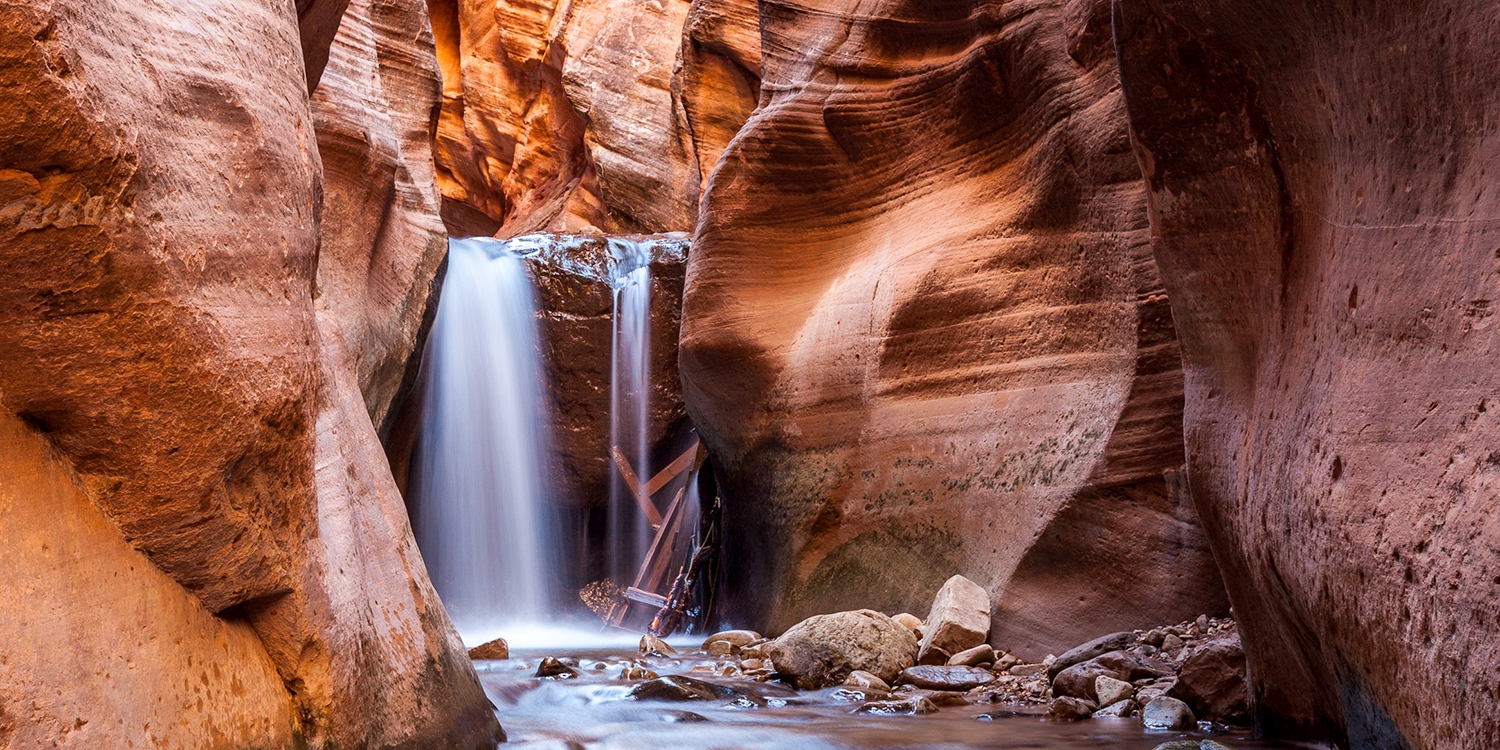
(1171, 643)
(902, 707)
(1168, 713)
(862, 680)
(981, 654)
(737, 638)
(947, 678)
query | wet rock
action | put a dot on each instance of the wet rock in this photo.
(750, 665)
(863, 680)
(959, 620)
(681, 717)
(496, 649)
(1110, 691)
(941, 698)
(754, 651)
(1117, 710)
(909, 621)
(1068, 708)
(1093, 649)
(822, 650)
(1212, 680)
(681, 689)
(1079, 680)
(902, 707)
(637, 672)
(981, 654)
(554, 669)
(947, 678)
(1155, 688)
(720, 648)
(1168, 713)
(653, 646)
(737, 638)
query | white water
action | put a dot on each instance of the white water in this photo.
(479, 478)
(630, 403)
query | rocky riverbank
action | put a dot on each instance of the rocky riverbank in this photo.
(1186, 678)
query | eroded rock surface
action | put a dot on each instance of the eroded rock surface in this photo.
(923, 328)
(160, 201)
(1325, 224)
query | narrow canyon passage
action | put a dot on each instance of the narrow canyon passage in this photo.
(404, 374)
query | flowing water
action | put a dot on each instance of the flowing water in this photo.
(479, 480)
(594, 710)
(629, 404)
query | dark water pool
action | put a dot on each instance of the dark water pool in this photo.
(593, 711)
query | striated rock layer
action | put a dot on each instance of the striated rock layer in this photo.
(560, 115)
(1326, 225)
(193, 422)
(924, 335)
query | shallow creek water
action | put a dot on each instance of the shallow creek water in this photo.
(593, 710)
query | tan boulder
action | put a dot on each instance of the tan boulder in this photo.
(824, 650)
(959, 620)
(496, 649)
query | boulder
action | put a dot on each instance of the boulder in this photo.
(737, 638)
(1212, 680)
(1071, 709)
(496, 649)
(981, 654)
(1080, 680)
(1167, 713)
(959, 620)
(553, 669)
(1342, 432)
(909, 621)
(652, 646)
(946, 678)
(1109, 691)
(681, 688)
(865, 681)
(890, 399)
(1095, 648)
(823, 650)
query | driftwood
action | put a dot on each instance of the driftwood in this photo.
(659, 559)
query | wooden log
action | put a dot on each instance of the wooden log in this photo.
(642, 499)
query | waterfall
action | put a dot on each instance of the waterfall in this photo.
(479, 477)
(629, 404)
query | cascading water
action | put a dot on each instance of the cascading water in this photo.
(630, 405)
(479, 480)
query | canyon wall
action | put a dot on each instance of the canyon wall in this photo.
(605, 113)
(186, 405)
(924, 334)
(1326, 227)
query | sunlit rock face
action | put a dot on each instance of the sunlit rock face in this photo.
(611, 113)
(180, 387)
(924, 335)
(1326, 226)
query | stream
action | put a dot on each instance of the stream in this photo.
(594, 710)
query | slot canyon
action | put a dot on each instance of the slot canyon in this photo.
(749, 374)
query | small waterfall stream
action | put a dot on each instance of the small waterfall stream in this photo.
(479, 476)
(630, 405)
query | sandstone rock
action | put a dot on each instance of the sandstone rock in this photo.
(915, 706)
(1080, 680)
(909, 621)
(1109, 691)
(679, 688)
(496, 649)
(1118, 710)
(946, 678)
(1071, 709)
(637, 673)
(959, 620)
(737, 638)
(866, 681)
(162, 227)
(1006, 662)
(981, 654)
(719, 648)
(572, 274)
(824, 649)
(1023, 670)
(1093, 649)
(553, 668)
(653, 646)
(1167, 713)
(1343, 417)
(866, 377)
(1171, 643)
(1212, 680)
(381, 239)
